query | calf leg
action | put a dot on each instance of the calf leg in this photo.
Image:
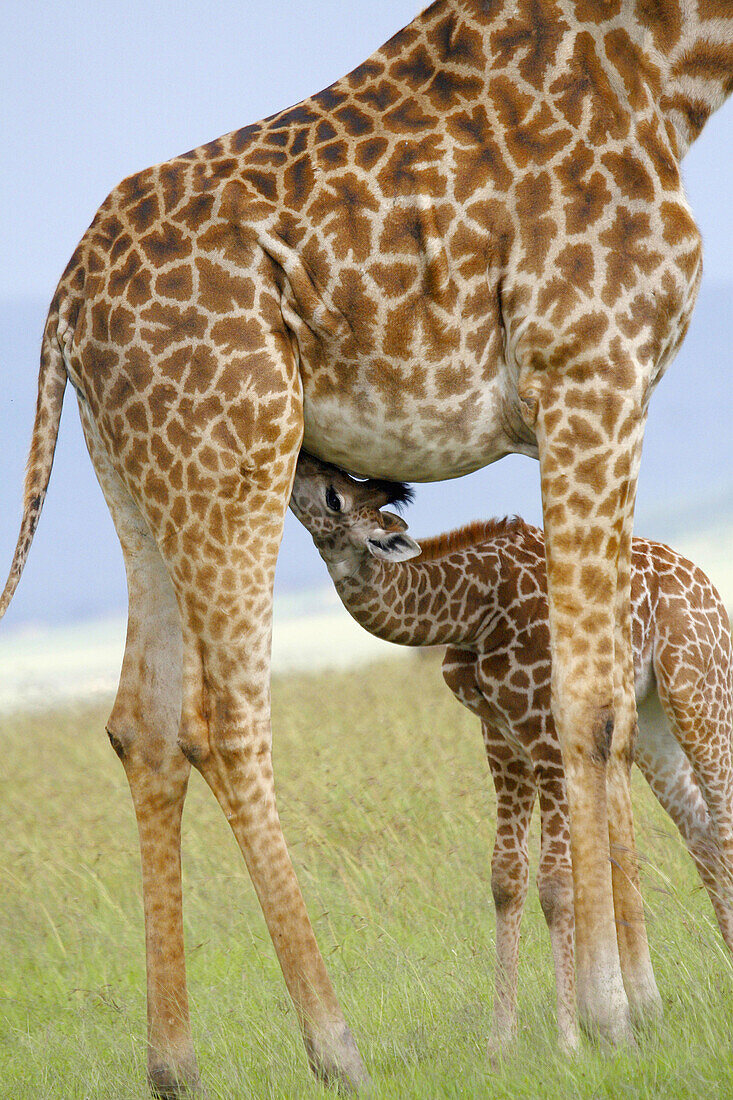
(694, 690)
(668, 772)
(515, 797)
(555, 886)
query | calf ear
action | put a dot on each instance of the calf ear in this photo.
(391, 522)
(392, 546)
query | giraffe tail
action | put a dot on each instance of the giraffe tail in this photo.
(51, 385)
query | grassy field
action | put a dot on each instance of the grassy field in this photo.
(388, 810)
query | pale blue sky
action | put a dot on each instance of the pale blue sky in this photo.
(91, 92)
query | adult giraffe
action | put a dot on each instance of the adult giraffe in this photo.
(476, 243)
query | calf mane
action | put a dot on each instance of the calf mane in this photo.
(474, 534)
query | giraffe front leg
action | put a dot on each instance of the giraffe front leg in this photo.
(143, 730)
(587, 439)
(158, 790)
(636, 966)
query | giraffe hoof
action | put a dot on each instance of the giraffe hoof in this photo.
(603, 1012)
(646, 1011)
(166, 1084)
(613, 1031)
(337, 1063)
(568, 1043)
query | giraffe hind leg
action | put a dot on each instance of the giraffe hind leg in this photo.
(515, 798)
(143, 730)
(212, 478)
(224, 591)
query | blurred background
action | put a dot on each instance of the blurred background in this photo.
(95, 91)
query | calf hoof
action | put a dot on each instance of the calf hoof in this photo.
(568, 1042)
(501, 1046)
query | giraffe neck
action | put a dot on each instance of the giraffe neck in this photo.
(691, 44)
(675, 56)
(418, 603)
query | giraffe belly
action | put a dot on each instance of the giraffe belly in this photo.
(370, 434)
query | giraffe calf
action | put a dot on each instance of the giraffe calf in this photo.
(482, 592)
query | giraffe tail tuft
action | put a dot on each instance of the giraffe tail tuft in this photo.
(51, 385)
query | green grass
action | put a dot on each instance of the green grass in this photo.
(388, 809)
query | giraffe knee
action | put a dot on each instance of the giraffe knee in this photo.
(119, 744)
(122, 724)
(509, 882)
(122, 727)
(238, 736)
(556, 895)
(144, 719)
(144, 749)
(193, 739)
